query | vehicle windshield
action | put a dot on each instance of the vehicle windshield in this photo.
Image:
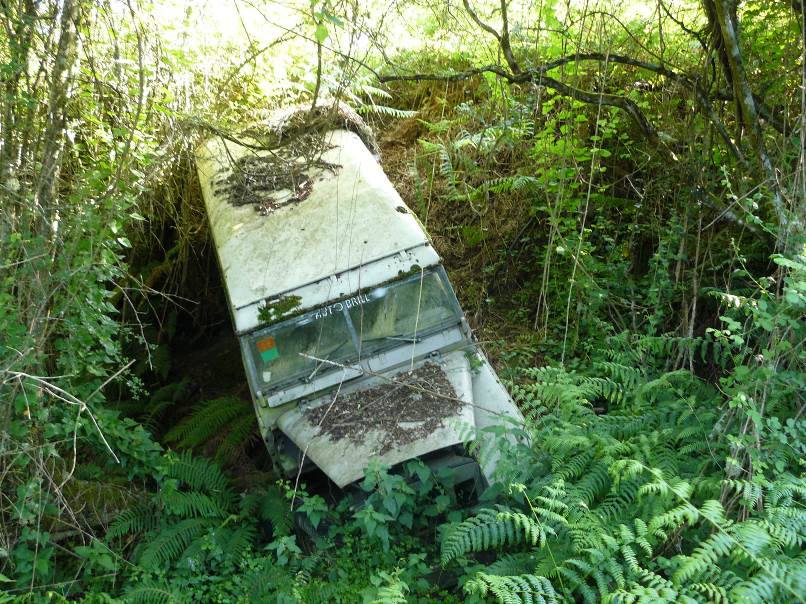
(403, 312)
(386, 317)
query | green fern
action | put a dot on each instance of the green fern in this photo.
(373, 108)
(269, 504)
(194, 508)
(202, 475)
(512, 564)
(192, 504)
(492, 529)
(172, 541)
(152, 592)
(640, 481)
(228, 422)
(521, 589)
(137, 519)
(505, 184)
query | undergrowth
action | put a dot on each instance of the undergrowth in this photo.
(644, 295)
(634, 480)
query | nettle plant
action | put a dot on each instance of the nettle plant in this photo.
(408, 501)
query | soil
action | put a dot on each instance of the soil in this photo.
(406, 409)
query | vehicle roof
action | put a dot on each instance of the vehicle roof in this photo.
(353, 231)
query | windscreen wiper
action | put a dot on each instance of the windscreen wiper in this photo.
(397, 338)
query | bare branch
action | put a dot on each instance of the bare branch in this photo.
(506, 47)
(594, 98)
(696, 35)
(537, 76)
(448, 77)
(489, 29)
(502, 38)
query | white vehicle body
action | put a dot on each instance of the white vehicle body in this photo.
(335, 293)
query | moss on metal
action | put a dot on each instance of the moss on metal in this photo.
(280, 309)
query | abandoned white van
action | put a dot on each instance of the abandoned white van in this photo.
(353, 341)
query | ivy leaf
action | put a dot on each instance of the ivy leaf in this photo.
(321, 33)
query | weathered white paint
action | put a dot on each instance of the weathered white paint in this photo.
(353, 232)
(345, 461)
(494, 407)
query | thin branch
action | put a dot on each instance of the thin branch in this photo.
(537, 76)
(696, 35)
(66, 397)
(748, 109)
(448, 77)
(489, 29)
(251, 57)
(502, 38)
(506, 47)
(595, 98)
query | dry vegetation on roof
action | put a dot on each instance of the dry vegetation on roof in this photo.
(292, 143)
(407, 409)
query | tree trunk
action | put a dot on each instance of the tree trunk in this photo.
(18, 25)
(64, 61)
(749, 111)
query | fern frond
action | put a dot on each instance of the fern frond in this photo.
(714, 593)
(718, 545)
(202, 475)
(241, 433)
(512, 564)
(191, 504)
(235, 542)
(506, 184)
(491, 529)
(592, 485)
(625, 375)
(136, 519)
(150, 592)
(385, 111)
(265, 581)
(208, 420)
(374, 91)
(172, 541)
(520, 589)
(673, 519)
(275, 509)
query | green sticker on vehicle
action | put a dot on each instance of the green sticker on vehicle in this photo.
(267, 348)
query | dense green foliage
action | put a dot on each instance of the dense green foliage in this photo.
(619, 194)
